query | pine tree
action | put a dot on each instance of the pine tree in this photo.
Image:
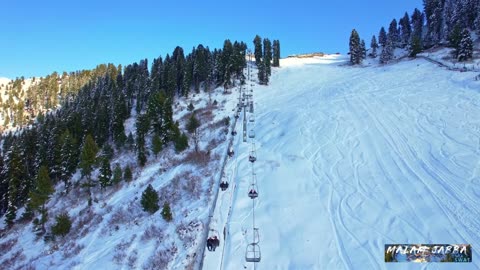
(192, 128)
(257, 43)
(387, 52)
(262, 76)
(63, 225)
(69, 160)
(156, 145)
(382, 37)
(374, 47)
(39, 196)
(105, 174)
(149, 200)
(14, 172)
(181, 143)
(166, 212)
(416, 46)
(267, 56)
(127, 176)
(276, 53)
(455, 39)
(417, 24)
(363, 49)
(465, 51)
(88, 158)
(117, 174)
(433, 13)
(355, 49)
(405, 30)
(393, 33)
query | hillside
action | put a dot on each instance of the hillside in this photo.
(350, 159)
(116, 232)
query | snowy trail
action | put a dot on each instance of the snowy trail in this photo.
(354, 158)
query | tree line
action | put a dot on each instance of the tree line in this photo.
(266, 57)
(443, 22)
(88, 128)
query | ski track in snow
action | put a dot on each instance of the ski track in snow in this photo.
(351, 159)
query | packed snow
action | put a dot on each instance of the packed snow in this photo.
(350, 159)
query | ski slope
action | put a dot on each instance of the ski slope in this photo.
(350, 159)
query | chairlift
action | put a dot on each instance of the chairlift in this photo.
(230, 151)
(253, 155)
(251, 134)
(224, 185)
(251, 119)
(213, 240)
(252, 253)
(253, 192)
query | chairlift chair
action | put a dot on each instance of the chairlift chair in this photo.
(251, 119)
(253, 192)
(230, 152)
(252, 253)
(213, 234)
(253, 155)
(224, 185)
(251, 134)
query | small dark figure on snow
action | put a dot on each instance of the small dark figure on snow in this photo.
(234, 132)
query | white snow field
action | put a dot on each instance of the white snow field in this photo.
(350, 159)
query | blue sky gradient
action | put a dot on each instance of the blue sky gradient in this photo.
(39, 37)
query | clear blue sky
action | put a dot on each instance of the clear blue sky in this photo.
(39, 37)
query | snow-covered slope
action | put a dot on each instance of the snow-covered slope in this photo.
(115, 232)
(351, 159)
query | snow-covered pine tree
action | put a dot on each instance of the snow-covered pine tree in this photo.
(382, 37)
(257, 43)
(374, 47)
(387, 52)
(363, 49)
(466, 46)
(433, 13)
(105, 174)
(405, 30)
(355, 49)
(454, 39)
(416, 38)
(393, 33)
